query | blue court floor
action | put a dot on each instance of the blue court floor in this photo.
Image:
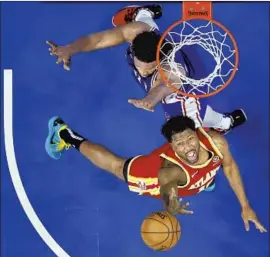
(85, 212)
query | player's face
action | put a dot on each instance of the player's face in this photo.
(145, 68)
(186, 145)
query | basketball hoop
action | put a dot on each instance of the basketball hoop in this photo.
(197, 27)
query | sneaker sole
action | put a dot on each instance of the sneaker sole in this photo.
(122, 10)
(48, 139)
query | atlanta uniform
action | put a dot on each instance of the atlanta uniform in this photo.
(142, 171)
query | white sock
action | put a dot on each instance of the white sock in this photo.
(213, 119)
(146, 17)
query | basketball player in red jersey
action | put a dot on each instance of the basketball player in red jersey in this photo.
(186, 165)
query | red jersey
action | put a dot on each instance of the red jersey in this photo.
(143, 170)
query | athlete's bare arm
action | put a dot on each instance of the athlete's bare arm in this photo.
(170, 175)
(96, 41)
(158, 92)
(233, 176)
(154, 96)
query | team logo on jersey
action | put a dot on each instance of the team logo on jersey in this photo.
(201, 183)
(142, 185)
(215, 159)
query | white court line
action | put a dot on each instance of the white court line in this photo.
(14, 171)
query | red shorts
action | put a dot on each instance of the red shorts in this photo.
(142, 173)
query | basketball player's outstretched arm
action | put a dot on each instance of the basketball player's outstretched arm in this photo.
(96, 41)
(169, 177)
(233, 176)
(158, 92)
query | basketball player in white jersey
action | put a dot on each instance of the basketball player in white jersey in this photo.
(136, 26)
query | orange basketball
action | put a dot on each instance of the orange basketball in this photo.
(160, 231)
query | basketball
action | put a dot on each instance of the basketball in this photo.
(160, 231)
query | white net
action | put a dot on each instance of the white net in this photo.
(211, 39)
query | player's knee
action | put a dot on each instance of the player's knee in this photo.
(118, 168)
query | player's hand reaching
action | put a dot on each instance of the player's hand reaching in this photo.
(249, 215)
(142, 104)
(63, 53)
(175, 205)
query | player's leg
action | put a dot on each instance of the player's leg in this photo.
(187, 107)
(222, 122)
(202, 114)
(61, 138)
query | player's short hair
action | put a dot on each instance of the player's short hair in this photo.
(176, 125)
(144, 46)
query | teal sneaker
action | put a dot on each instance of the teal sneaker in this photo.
(54, 144)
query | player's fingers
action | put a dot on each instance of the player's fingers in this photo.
(147, 106)
(259, 226)
(181, 200)
(52, 51)
(186, 212)
(185, 205)
(51, 44)
(262, 229)
(150, 109)
(59, 59)
(132, 101)
(246, 224)
(141, 104)
(67, 65)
